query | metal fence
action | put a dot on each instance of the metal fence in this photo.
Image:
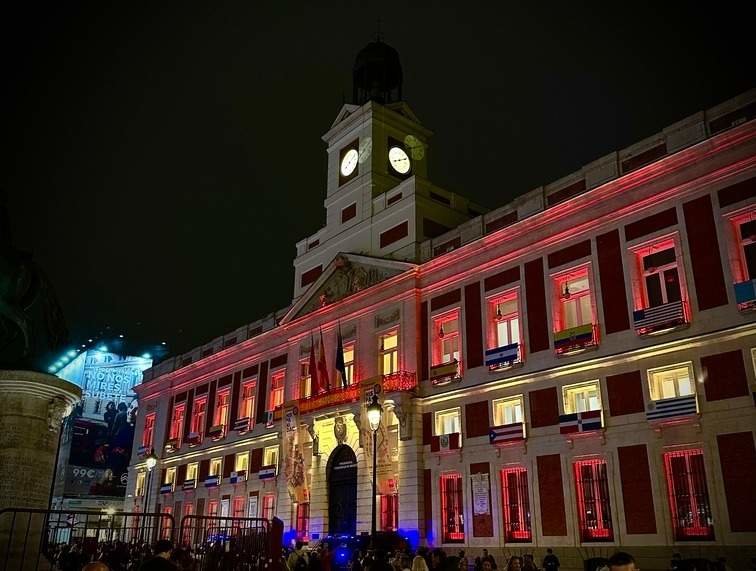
(36, 538)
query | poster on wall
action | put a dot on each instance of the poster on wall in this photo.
(480, 489)
(294, 462)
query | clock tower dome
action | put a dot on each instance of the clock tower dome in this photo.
(379, 201)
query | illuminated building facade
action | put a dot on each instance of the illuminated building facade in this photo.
(573, 370)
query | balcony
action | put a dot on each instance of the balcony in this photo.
(660, 319)
(745, 295)
(393, 382)
(172, 444)
(241, 425)
(189, 485)
(194, 438)
(576, 339)
(217, 432)
(446, 373)
(504, 357)
(506, 434)
(672, 410)
(446, 443)
(581, 422)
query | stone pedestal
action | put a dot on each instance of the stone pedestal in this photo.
(32, 407)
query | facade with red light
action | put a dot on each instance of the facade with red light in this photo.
(573, 370)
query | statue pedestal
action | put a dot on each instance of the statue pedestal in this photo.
(32, 406)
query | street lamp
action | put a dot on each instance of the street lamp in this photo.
(374, 411)
(150, 461)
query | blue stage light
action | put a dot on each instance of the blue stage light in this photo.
(146, 356)
(71, 353)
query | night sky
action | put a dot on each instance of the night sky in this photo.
(162, 160)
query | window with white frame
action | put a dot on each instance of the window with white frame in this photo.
(216, 466)
(170, 476)
(447, 342)
(661, 277)
(199, 412)
(141, 478)
(242, 462)
(277, 381)
(448, 421)
(581, 397)
(270, 456)
(389, 352)
(745, 228)
(349, 362)
(247, 400)
(222, 408)
(575, 302)
(672, 381)
(503, 320)
(508, 410)
(305, 379)
(192, 470)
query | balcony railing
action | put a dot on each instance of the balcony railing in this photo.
(661, 318)
(217, 432)
(172, 444)
(745, 295)
(576, 339)
(671, 410)
(189, 485)
(444, 373)
(267, 472)
(194, 438)
(241, 425)
(503, 357)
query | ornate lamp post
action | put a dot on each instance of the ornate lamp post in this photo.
(150, 461)
(374, 411)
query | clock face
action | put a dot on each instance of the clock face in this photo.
(349, 162)
(399, 160)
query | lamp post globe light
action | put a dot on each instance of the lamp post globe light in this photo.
(150, 461)
(374, 411)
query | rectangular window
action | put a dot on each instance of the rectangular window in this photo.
(199, 414)
(503, 320)
(242, 462)
(238, 506)
(448, 421)
(277, 381)
(389, 512)
(507, 411)
(170, 476)
(661, 280)
(594, 510)
(188, 510)
(148, 434)
(177, 422)
(222, 408)
(166, 523)
(305, 379)
(349, 362)
(302, 521)
(746, 232)
(270, 456)
(389, 353)
(192, 471)
(268, 506)
(139, 486)
(516, 504)
(216, 466)
(582, 397)
(213, 509)
(452, 514)
(247, 400)
(447, 342)
(688, 495)
(671, 382)
(575, 304)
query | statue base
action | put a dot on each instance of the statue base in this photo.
(32, 407)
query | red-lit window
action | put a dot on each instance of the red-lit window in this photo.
(389, 512)
(594, 510)
(349, 362)
(268, 506)
(213, 511)
(199, 412)
(148, 434)
(277, 381)
(743, 255)
(447, 342)
(516, 504)
(452, 515)
(222, 408)
(247, 401)
(188, 510)
(302, 520)
(503, 320)
(688, 495)
(165, 523)
(658, 274)
(574, 303)
(177, 422)
(305, 379)
(238, 506)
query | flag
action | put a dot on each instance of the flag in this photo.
(672, 408)
(664, 315)
(340, 365)
(322, 366)
(506, 433)
(580, 422)
(313, 370)
(237, 477)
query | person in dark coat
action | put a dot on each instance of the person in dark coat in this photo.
(160, 561)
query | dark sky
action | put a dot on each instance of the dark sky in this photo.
(163, 159)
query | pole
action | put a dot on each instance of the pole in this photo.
(375, 465)
(146, 508)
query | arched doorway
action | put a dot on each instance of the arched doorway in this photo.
(341, 472)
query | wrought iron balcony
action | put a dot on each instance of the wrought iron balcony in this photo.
(393, 382)
(444, 373)
(672, 409)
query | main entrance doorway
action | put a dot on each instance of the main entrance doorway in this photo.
(341, 472)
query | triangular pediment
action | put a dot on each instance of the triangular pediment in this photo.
(346, 275)
(346, 110)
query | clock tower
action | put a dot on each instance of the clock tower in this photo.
(379, 201)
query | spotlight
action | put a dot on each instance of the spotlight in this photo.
(146, 356)
(71, 353)
(102, 348)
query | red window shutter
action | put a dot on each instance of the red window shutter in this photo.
(637, 494)
(724, 376)
(424, 365)
(483, 523)
(210, 416)
(255, 460)
(428, 503)
(612, 279)
(553, 517)
(262, 393)
(180, 475)
(476, 419)
(204, 470)
(650, 224)
(394, 234)
(473, 326)
(704, 253)
(229, 465)
(544, 407)
(445, 299)
(535, 295)
(570, 254)
(235, 399)
(738, 192)
(737, 457)
(625, 393)
(427, 427)
(188, 414)
(502, 278)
